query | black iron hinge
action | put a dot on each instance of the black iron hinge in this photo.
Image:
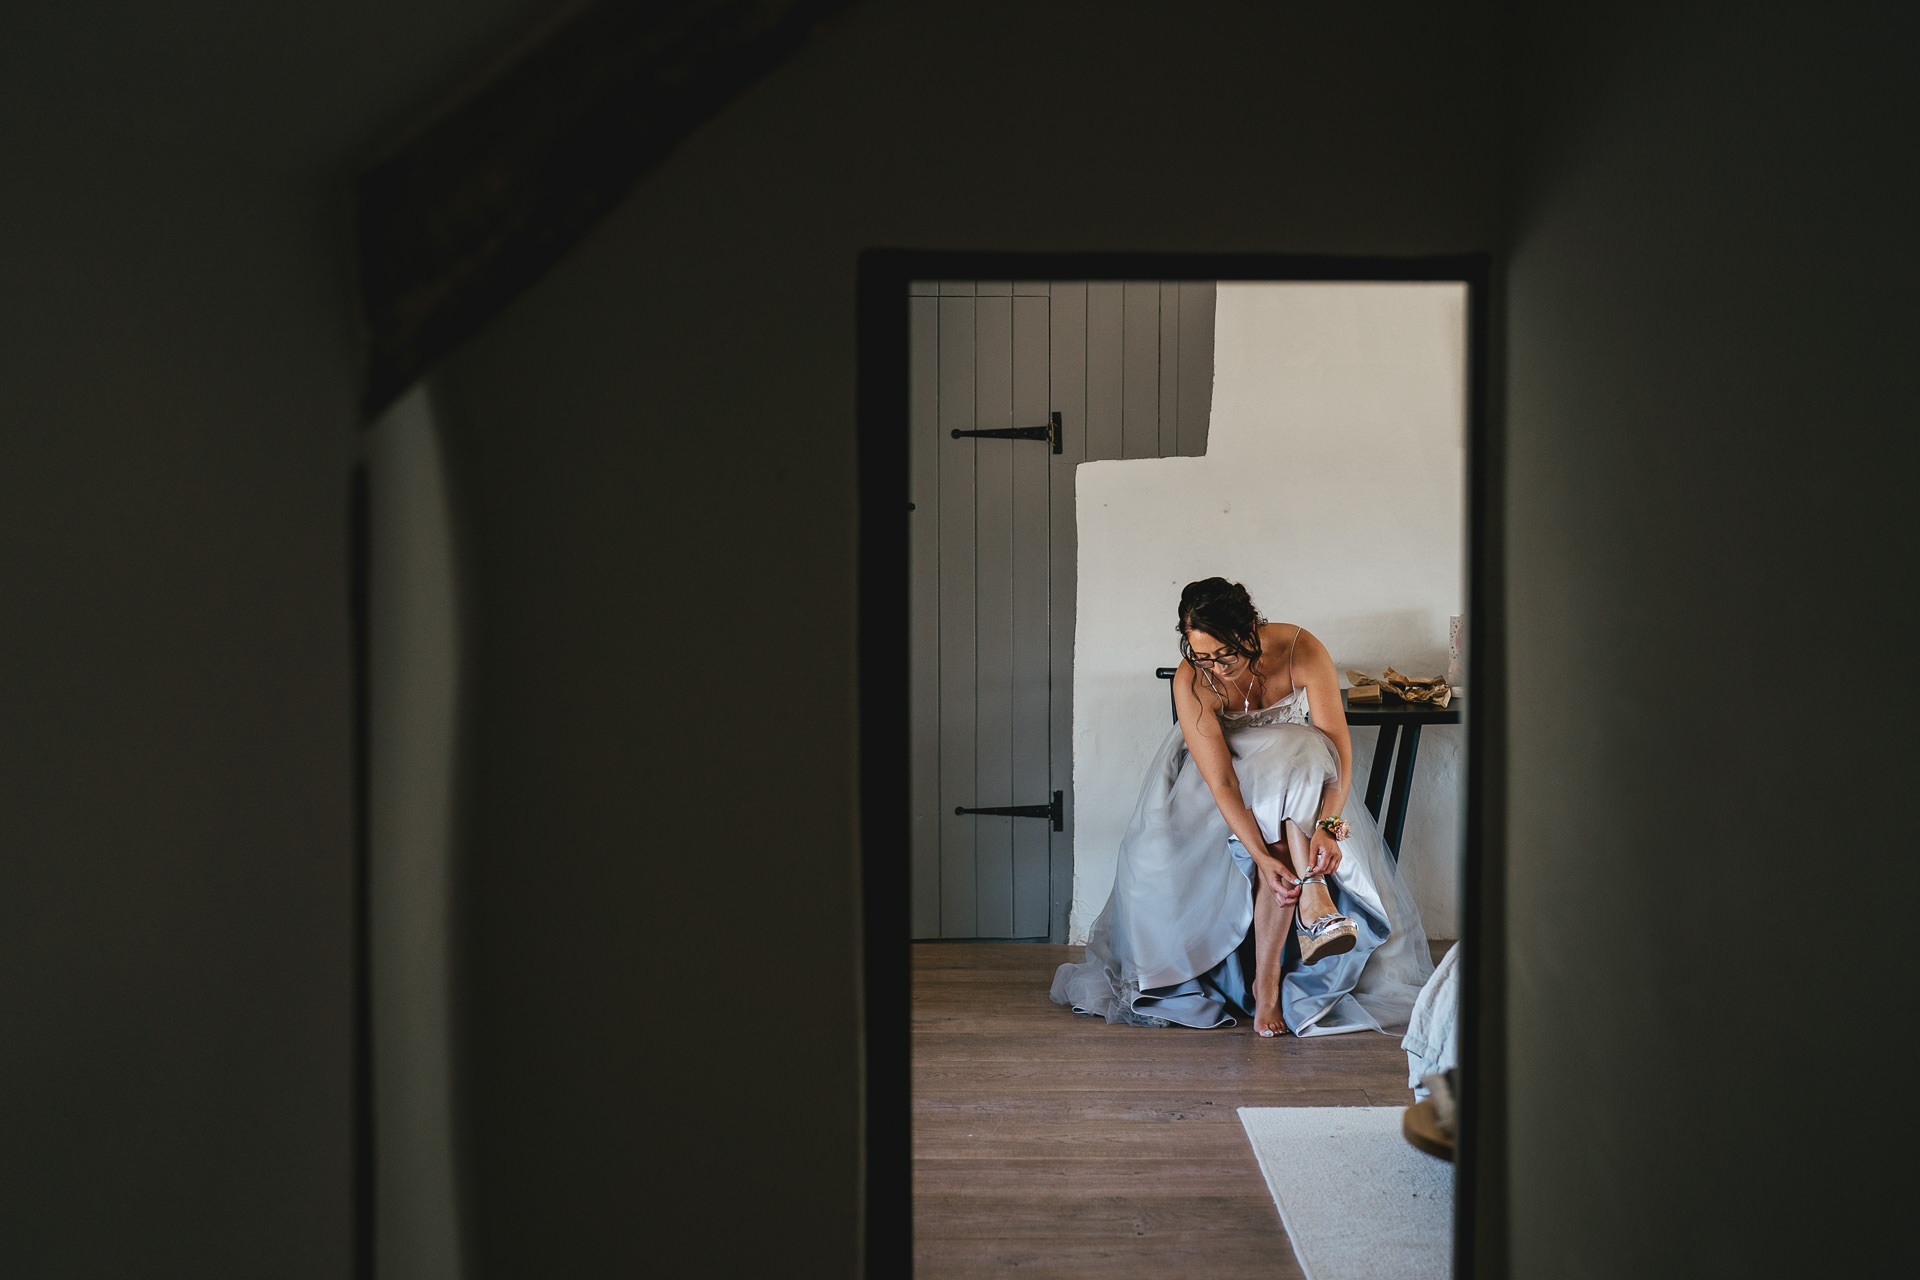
(1056, 811)
(1049, 433)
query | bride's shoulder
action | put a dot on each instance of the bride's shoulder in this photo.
(1187, 681)
(1309, 652)
(1292, 641)
(1284, 635)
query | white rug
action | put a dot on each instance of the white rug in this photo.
(1359, 1202)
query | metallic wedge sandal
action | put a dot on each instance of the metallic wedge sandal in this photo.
(1330, 935)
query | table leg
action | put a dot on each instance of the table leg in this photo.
(1382, 762)
(1402, 785)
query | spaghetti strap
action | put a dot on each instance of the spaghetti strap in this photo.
(1297, 629)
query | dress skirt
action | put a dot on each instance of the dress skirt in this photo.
(1174, 943)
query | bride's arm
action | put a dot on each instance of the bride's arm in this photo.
(1208, 747)
(1313, 666)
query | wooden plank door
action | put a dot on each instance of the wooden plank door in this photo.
(982, 606)
(1127, 367)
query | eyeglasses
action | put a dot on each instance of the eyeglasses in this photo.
(1225, 659)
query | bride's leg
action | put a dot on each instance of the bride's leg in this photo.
(1271, 921)
(1315, 901)
(1339, 934)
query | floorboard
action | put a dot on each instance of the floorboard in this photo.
(1051, 1144)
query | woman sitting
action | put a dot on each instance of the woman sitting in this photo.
(1239, 828)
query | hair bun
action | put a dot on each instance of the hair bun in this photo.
(1211, 591)
(1223, 610)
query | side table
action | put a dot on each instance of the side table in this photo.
(1402, 721)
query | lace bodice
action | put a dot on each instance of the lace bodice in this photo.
(1291, 709)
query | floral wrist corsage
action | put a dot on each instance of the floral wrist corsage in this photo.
(1336, 826)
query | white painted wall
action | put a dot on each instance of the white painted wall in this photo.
(1334, 487)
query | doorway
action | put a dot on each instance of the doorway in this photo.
(886, 774)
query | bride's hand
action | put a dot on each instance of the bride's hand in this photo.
(1280, 880)
(1324, 852)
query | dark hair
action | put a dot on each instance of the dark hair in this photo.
(1224, 611)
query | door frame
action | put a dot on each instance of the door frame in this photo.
(882, 442)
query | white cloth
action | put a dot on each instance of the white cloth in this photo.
(1432, 1041)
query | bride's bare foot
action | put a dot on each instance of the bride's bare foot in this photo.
(1267, 1019)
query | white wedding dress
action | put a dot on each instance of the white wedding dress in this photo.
(1174, 944)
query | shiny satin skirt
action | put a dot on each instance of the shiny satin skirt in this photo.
(1174, 947)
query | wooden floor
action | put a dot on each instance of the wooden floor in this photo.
(1052, 1144)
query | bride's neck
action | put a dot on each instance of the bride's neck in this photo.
(1242, 687)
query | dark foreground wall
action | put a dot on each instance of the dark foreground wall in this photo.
(1712, 332)
(178, 380)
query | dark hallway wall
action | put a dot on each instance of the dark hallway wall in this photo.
(655, 452)
(1711, 335)
(179, 363)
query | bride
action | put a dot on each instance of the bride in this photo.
(1239, 828)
